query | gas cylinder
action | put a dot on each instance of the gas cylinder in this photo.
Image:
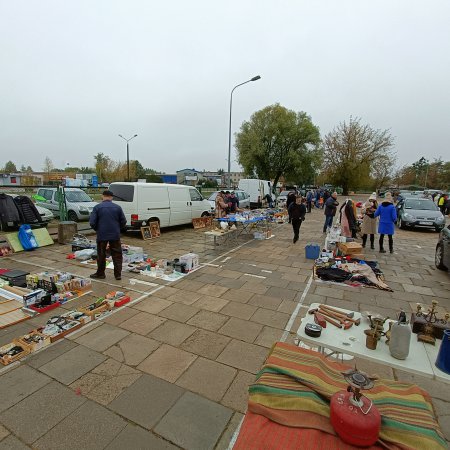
(353, 416)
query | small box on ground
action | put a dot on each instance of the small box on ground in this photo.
(191, 260)
(350, 248)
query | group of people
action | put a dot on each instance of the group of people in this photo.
(226, 203)
(377, 218)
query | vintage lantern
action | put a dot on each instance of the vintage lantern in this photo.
(354, 417)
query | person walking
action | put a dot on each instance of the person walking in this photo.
(108, 220)
(330, 211)
(369, 225)
(309, 198)
(388, 216)
(297, 211)
(442, 203)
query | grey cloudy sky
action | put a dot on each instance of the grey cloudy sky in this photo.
(74, 74)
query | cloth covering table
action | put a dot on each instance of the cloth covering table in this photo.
(288, 407)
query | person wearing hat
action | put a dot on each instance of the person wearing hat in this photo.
(108, 219)
(233, 202)
(388, 216)
(221, 205)
(369, 225)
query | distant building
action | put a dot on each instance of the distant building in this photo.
(168, 177)
(213, 176)
(190, 177)
(235, 178)
(10, 179)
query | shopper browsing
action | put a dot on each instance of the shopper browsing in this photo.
(388, 216)
(330, 211)
(108, 219)
(297, 211)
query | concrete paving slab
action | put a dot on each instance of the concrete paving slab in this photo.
(179, 312)
(133, 349)
(236, 396)
(210, 303)
(241, 329)
(73, 364)
(243, 355)
(12, 443)
(185, 297)
(173, 333)
(120, 316)
(239, 310)
(194, 422)
(152, 305)
(218, 375)
(270, 318)
(3, 432)
(102, 337)
(134, 437)
(32, 418)
(89, 428)
(147, 400)
(264, 301)
(167, 362)
(142, 323)
(47, 354)
(19, 383)
(208, 320)
(238, 295)
(206, 344)
(106, 382)
(268, 336)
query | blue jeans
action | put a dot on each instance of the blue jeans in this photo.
(328, 223)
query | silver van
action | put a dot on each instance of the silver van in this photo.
(79, 204)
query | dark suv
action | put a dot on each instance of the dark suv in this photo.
(442, 255)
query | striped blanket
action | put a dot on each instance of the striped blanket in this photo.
(294, 387)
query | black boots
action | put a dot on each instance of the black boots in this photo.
(372, 241)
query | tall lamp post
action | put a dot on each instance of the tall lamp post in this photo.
(229, 128)
(128, 154)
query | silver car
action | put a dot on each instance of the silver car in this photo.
(420, 212)
(242, 196)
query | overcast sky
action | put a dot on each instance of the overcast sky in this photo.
(75, 74)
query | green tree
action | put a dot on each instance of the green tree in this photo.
(10, 167)
(220, 171)
(351, 151)
(274, 141)
(102, 164)
(29, 169)
(138, 171)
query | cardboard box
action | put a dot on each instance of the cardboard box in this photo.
(350, 248)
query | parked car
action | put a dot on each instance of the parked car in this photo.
(168, 204)
(79, 204)
(420, 212)
(282, 198)
(243, 197)
(442, 255)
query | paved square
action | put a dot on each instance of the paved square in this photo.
(102, 337)
(133, 349)
(194, 422)
(147, 400)
(72, 365)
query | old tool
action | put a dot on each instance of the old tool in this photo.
(343, 320)
(319, 319)
(350, 315)
(342, 316)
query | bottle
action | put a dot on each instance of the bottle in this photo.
(400, 337)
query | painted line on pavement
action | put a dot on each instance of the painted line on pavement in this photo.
(254, 276)
(294, 315)
(235, 435)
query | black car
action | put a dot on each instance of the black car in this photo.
(442, 255)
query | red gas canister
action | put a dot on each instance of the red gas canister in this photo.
(353, 416)
(355, 425)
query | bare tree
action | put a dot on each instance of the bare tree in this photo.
(352, 149)
(48, 165)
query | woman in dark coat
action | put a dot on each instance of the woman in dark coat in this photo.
(348, 219)
(388, 216)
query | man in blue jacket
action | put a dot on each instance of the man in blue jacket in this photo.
(108, 219)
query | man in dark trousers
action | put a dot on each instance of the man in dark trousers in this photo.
(108, 219)
(297, 211)
(330, 211)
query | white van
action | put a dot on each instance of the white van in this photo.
(168, 204)
(257, 189)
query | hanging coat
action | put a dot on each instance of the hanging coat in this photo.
(388, 216)
(8, 209)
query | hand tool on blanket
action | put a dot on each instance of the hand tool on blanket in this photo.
(326, 318)
(339, 315)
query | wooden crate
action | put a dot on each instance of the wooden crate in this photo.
(35, 346)
(6, 360)
(100, 309)
(350, 248)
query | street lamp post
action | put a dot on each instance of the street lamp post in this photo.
(229, 128)
(128, 154)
